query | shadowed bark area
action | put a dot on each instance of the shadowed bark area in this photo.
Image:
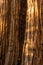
(22, 24)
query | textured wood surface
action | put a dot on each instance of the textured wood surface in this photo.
(16, 29)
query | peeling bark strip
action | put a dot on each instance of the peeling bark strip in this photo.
(32, 40)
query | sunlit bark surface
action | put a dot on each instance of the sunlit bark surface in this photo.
(32, 54)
